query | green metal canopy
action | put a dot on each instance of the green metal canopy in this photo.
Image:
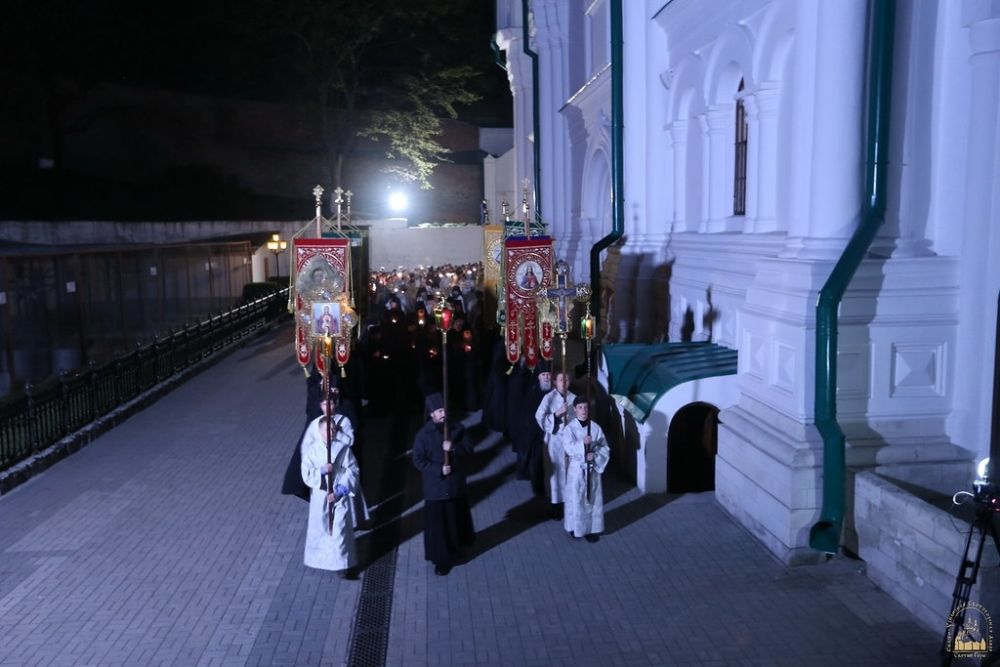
(640, 375)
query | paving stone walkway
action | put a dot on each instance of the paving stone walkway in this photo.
(166, 542)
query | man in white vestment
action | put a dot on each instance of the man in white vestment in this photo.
(326, 549)
(553, 414)
(588, 453)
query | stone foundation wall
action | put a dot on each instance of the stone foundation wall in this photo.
(913, 550)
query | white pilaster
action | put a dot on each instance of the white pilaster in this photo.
(519, 75)
(980, 271)
(827, 159)
(678, 137)
(762, 159)
(719, 132)
(552, 25)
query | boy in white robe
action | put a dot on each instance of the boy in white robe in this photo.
(588, 454)
(323, 550)
(552, 415)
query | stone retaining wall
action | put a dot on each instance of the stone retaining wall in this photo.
(914, 549)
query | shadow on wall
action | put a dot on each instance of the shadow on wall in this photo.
(634, 302)
(628, 431)
(689, 330)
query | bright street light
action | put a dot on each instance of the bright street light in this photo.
(397, 202)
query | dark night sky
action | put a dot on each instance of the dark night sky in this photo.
(55, 53)
(222, 48)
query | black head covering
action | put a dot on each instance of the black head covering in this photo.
(433, 402)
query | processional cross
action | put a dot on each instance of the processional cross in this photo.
(562, 292)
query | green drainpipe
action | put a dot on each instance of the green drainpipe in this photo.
(526, 39)
(825, 533)
(617, 162)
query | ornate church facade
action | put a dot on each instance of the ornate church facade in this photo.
(744, 161)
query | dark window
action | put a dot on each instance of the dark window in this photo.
(740, 180)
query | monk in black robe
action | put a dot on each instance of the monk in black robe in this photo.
(447, 516)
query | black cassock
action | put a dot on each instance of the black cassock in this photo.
(532, 468)
(495, 398)
(520, 414)
(447, 516)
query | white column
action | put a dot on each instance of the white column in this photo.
(910, 160)
(829, 82)
(635, 129)
(706, 172)
(719, 131)
(519, 75)
(762, 160)
(678, 137)
(979, 271)
(753, 161)
(551, 20)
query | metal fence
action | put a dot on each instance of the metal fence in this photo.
(63, 308)
(40, 415)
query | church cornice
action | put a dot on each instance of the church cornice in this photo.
(588, 89)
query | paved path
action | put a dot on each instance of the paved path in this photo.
(166, 542)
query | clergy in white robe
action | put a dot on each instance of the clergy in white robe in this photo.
(359, 506)
(323, 550)
(588, 455)
(553, 413)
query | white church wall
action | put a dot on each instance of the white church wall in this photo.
(588, 117)
(498, 185)
(917, 326)
(978, 224)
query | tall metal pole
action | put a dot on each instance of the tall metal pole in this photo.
(587, 331)
(442, 315)
(994, 466)
(327, 360)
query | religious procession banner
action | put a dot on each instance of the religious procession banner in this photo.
(492, 267)
(527, 266)
(324, 305)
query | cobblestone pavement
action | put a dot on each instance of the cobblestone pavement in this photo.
(166, 542)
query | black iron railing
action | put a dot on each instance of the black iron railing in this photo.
(42, 414)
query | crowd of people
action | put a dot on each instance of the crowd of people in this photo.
(398, 365)
(403, 347)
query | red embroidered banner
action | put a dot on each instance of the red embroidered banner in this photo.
(547, 341)
(322, 299)
(527, 274)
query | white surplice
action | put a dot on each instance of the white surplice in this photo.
(323, 550)
(554, 460)
(583, 517)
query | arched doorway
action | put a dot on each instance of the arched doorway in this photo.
(692, 441)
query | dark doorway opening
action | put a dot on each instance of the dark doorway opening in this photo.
(692, 441)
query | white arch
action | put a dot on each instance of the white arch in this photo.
(773, 43)
(596, 195)
(686, 98)
(730, 59)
